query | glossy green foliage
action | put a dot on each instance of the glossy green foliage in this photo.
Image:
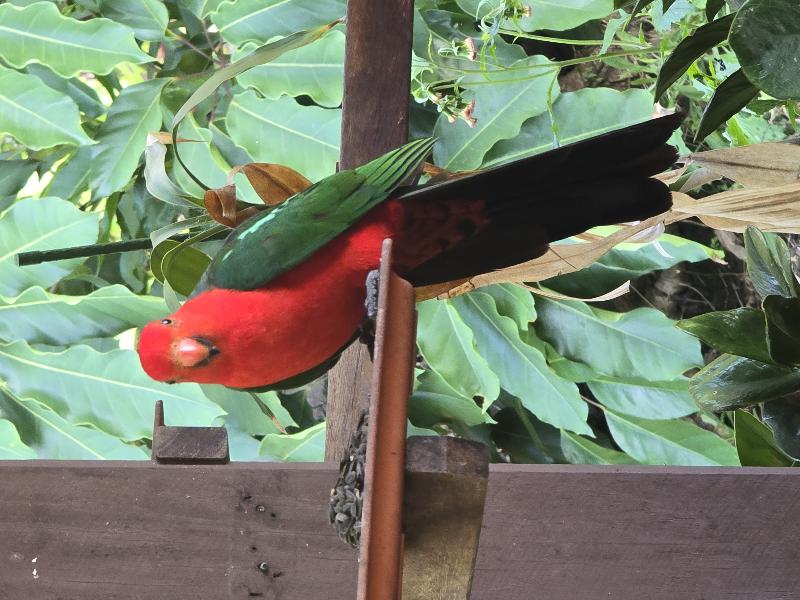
(531, 377)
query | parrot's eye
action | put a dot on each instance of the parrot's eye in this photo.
(166, 321)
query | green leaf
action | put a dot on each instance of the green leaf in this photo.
(580, 451)
(643, 398)
(316, 70)
(740, 331)
(627, 262)
(729, 98)
(39, 33)
(642, 343)
(783, 329)
(577, 115)
(158, 183)
(11, 447)
(122, 138)
(36, 115)
(41, 224)
(689, 50)
(242, 446)
(108, 390)
(546, 14)
(764, 36)
(305, 446)
(55, 438)
(731, 382)
(241, 21)
(521, 368)
(449, 348)
(525, 438)
(669, 442)
(305, 138)
(84, 96)
(783, 417)
(436, 402)
(40, 317)
(185, 267)
(72, 178)
(435, 30)
(204, 157)
(503, 102)
(513, 301)
(756, 445)
(147, 18)
(243, 411)
(14, 174)
(565, 14)
(261, 55)
(769, 264)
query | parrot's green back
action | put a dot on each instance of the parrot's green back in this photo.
(274, 241)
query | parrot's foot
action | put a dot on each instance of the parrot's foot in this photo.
(367, 329)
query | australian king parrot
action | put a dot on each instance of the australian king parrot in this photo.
(285, 294)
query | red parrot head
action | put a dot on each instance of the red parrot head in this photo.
(169, 354)
(241, 339)
(201, 342)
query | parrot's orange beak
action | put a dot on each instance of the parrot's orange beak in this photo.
(190, 352)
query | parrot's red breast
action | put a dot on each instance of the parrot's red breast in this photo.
(302, 317)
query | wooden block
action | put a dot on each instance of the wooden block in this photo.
(188, 445)
(446, 482)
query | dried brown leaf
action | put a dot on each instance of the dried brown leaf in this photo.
(770, 209)
(760, 165)
(272, 182)
(221, 204)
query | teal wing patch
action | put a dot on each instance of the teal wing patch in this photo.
(274, 241)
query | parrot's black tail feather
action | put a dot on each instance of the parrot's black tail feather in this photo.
(554, 195)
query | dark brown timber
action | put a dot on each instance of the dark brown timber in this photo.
(126, 531)
(188, 445)
(374, 120)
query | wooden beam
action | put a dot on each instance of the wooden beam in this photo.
(374, 120)
(126, 531)
(445, 492)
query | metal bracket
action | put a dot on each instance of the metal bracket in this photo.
(188, 445)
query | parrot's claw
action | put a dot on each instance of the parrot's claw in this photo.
(367, 330)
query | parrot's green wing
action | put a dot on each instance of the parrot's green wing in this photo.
(272, 242)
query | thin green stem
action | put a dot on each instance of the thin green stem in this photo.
(544, 38)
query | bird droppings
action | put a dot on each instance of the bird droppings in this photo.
(35, 574)
(34, 559)
(263, 567)
(261, 508)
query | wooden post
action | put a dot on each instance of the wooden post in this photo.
(445, 491)
(374, 120)
(380, 564)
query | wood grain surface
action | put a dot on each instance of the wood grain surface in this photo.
(377, 79)
(125, 531)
